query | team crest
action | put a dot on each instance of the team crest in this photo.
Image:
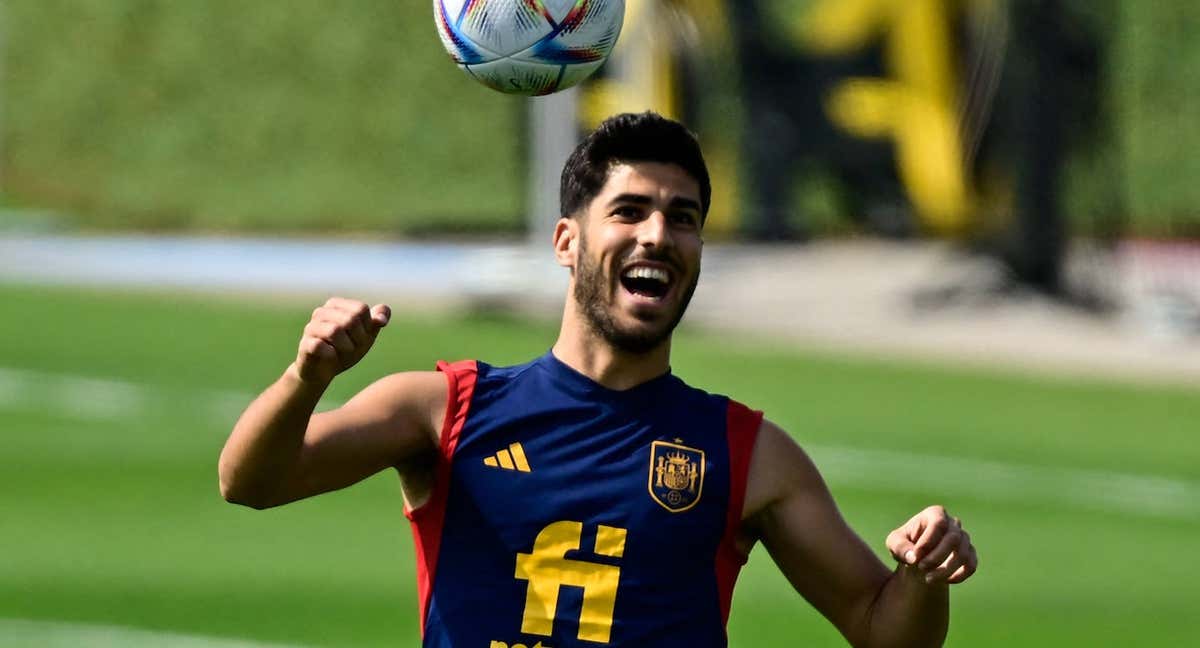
(676, 475)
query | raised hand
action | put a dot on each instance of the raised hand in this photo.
(339, 334)
(936, 544)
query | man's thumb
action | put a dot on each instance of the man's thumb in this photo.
(380, 315)
(901, 547)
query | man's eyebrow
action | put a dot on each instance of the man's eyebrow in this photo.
(637, 199)
(678, 202)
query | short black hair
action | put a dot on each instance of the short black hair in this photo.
(629, 137)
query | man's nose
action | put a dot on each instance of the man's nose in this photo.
(654, 232)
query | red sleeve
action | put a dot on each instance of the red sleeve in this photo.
(428, 518)
(741, 429)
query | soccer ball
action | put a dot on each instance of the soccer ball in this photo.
(529, 47)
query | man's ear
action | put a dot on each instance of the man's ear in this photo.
(566, 241)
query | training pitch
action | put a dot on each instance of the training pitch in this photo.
(1082, 498)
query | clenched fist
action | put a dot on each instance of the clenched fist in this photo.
(339, 334)
(936, 544)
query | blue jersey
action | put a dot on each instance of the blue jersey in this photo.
(568, 514)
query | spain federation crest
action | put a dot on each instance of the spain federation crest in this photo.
(676, 475)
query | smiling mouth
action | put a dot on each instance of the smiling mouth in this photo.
(647, 282)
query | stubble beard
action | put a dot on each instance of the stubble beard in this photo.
(593, 298)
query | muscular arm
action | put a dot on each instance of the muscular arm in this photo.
(789, 507)
(279, 451)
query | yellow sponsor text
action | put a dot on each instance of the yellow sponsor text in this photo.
(547, 569)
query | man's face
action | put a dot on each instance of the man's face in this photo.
(638, 258)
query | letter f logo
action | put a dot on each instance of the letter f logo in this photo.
(547, 570)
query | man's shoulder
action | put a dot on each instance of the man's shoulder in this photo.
(473, 380)
(683, 389)
(500, 373)
(735, 407)
(482, 368)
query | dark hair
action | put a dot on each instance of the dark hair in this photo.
(629, 137)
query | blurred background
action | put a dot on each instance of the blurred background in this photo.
(953, 249)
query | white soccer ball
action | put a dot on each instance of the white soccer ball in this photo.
(529, 47)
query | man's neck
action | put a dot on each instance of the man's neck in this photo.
(583, 350)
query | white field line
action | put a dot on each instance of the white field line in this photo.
(876, 470)
(87, 398)
(22, 633)
(884, 470)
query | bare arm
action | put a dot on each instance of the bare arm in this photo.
(280, 452)
(789, 507)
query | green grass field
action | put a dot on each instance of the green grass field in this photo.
(115, 407)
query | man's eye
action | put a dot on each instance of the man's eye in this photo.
(627, 211)
(684, 218)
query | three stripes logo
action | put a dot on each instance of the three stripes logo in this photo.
(511, 458)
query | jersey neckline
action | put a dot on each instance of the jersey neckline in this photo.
(577, 382)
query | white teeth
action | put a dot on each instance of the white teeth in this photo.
(643, 272)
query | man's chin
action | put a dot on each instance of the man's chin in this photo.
(647, 317)
(641, 336)
(631, 324)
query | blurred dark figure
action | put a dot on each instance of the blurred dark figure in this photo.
(1049, 104)
(787, 131)
(1027, 90)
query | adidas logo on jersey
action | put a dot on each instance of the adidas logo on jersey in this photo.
(511, 458)
(501, 644)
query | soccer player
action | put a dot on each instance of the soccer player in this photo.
(590, 497)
